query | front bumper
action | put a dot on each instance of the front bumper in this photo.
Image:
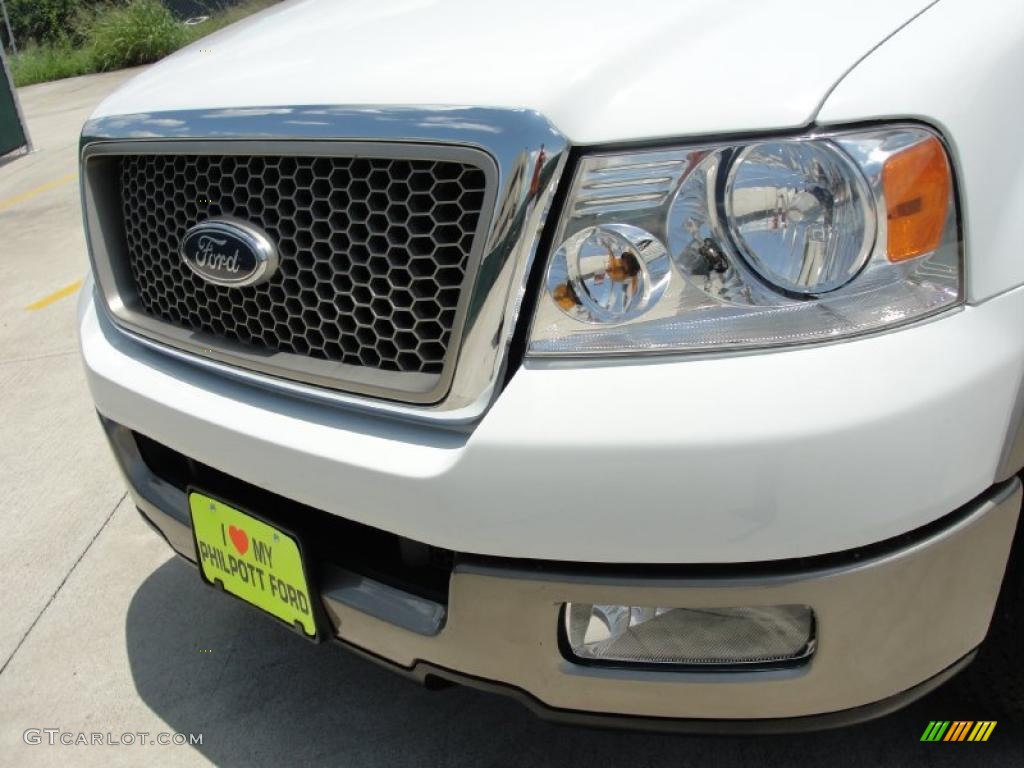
(892, 619)
(720, 459)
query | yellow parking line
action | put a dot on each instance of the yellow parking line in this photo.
(12, 201)
(46, 301)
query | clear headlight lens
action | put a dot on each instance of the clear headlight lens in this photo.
(756, 244)
(801, 214)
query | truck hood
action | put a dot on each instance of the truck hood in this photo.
(600, 70)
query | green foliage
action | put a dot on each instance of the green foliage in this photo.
(114, 34)
(40, 63)
(139, 33)
(47, 21)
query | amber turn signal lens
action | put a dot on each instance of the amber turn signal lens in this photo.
(917, 184)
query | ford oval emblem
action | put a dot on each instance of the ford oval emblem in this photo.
(229, 252)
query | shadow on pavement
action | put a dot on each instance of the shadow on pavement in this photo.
(261, 695)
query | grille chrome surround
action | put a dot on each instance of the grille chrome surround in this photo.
(519, 154)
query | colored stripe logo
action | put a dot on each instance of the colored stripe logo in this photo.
(958, 730)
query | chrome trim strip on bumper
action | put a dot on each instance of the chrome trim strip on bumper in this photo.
(529, 155)
(886, 623)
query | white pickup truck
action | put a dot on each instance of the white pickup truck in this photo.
(656, 363)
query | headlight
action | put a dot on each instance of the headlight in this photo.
(609, 274)
(800, 214)
(753, 244)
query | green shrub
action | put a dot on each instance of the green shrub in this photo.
(47, 21)
(40, 63)
(116, 34)
(141, 32)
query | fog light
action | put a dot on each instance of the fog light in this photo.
(699, 637)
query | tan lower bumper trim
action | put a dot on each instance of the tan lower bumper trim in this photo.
(884, 625)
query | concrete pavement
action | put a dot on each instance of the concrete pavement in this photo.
(103, 631)
(59, 486)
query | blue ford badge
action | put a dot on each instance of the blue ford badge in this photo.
(229, 252)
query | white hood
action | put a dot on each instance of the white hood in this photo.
(600, 70)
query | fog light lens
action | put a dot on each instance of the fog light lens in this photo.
(700, 637)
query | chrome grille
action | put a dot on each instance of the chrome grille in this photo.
(520, 155)
(374, 252)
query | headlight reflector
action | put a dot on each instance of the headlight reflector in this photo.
(753, 244)
(800, 213)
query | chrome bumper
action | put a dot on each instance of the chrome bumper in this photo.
(893, 619)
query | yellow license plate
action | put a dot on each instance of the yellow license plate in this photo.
(253, 561)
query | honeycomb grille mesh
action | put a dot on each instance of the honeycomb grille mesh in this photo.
(373, 252)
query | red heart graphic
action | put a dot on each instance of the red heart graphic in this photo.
(239, 539)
